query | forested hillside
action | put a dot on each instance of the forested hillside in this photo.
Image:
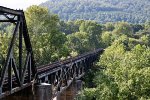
(134, 11)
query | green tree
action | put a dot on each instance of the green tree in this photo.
(40, 20)
(47, 40)
(126, 73)
(109, 26)
(4, 42)
(123, 28)
(106, 38)
(94, 30)
(78, 41)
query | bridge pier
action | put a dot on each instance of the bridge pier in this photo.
(67, 94)
(43, 91)
(71, 92)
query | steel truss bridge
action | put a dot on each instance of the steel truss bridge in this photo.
(20, 74)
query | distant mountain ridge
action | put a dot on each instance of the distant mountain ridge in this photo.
(133, 11)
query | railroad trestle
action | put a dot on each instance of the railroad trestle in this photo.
(21, 73)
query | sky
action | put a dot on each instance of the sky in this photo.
(20, 4)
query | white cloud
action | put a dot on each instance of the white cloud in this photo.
(20, 4)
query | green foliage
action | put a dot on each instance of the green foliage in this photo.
(137, 27)
(147, 25)
(39, 20)
(69, 27)
(106, 38)
(133, 11)
(123, 28)
(47, 40)
(78, 41)
(145, 39)
(126, 74)
(109, 26)
(124, 66)
(89, 94)
(87, 39)
(6, 28)
(94, 30)
(106, 87)
(4, 39)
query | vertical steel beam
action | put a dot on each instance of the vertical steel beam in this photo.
(20, 47)
(28, 45)
(29, 70)
(10, 75)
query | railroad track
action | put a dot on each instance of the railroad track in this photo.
(58, 64)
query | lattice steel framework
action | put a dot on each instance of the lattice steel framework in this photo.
(16, 76)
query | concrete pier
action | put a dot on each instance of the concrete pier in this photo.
(71, 92)
(43, 91)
